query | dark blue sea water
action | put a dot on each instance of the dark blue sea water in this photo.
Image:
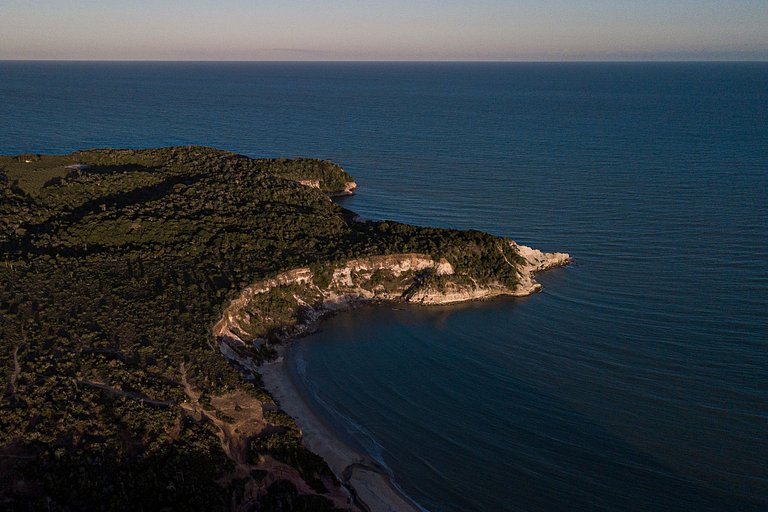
(637, 380)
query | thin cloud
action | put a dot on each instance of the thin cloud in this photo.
(304, 51)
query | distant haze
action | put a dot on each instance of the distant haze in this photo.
(384, 30)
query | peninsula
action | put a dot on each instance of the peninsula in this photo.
(145, 296)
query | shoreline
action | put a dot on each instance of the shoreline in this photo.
(371, 488)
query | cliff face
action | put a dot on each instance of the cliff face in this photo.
(534, 261)
(249, 318)
(291, 303)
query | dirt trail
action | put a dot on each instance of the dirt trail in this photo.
(14, 375)
(130, 394)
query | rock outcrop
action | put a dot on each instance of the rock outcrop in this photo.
(310, 183)
(348, 190)
(536, 261)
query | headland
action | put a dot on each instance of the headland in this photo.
(127, 273)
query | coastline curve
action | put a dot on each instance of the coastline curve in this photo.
(247, 331)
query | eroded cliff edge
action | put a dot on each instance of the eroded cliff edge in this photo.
(291, 303)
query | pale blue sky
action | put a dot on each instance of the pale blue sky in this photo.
(377, 30)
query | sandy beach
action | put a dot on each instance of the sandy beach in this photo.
(366, 481)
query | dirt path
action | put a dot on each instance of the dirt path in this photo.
(130, 394)
(14, 375)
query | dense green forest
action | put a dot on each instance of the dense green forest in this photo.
(114, 265)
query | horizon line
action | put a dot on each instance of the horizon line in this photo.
(401, 61)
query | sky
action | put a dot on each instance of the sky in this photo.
(411, 30)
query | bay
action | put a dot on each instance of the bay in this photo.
(637, 380)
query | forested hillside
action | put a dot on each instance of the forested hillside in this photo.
(114, 265)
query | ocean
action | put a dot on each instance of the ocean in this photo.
(636, 380)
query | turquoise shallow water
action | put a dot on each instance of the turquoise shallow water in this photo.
(638, 380)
